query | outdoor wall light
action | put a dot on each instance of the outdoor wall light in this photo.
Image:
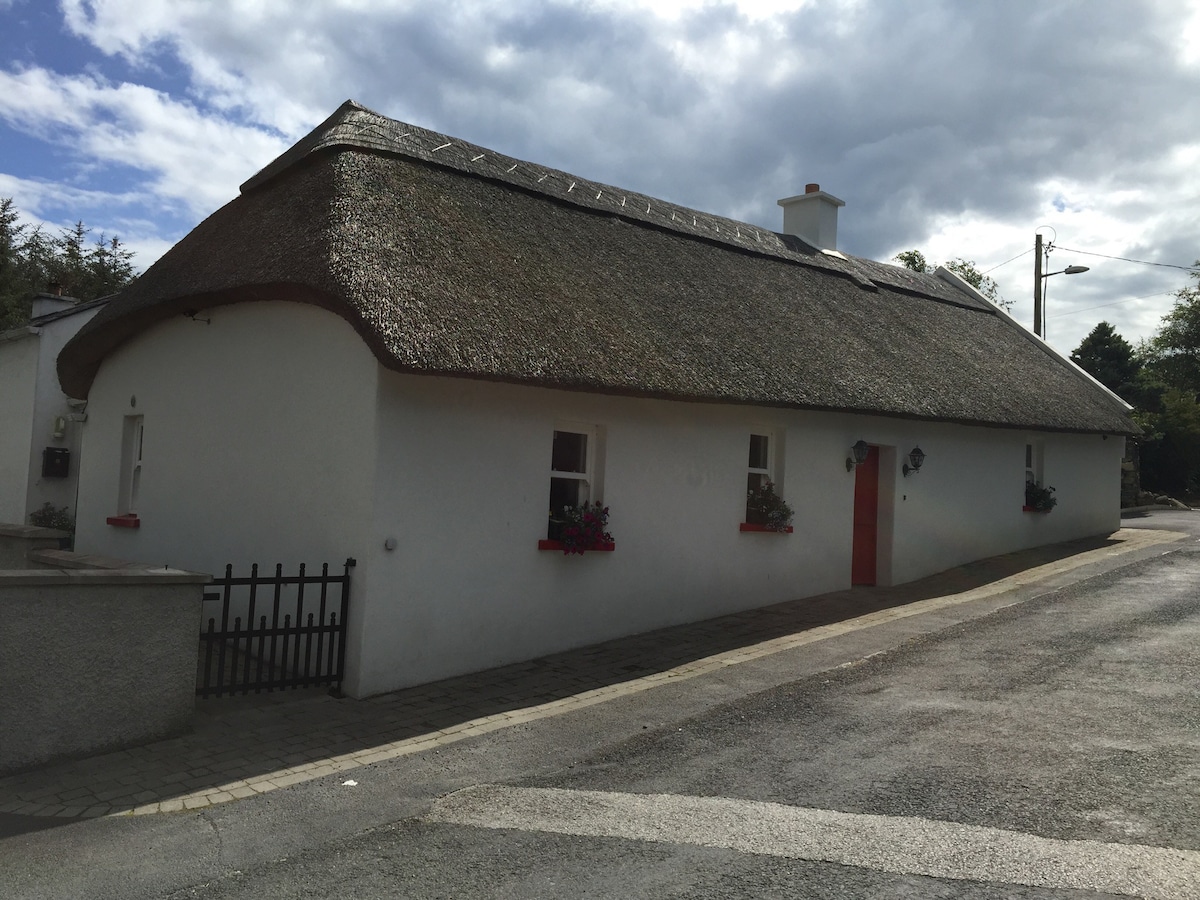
(916, 456)
(858, 455)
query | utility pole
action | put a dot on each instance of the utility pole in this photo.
(1038, 328)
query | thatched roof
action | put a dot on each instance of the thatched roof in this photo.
(450, 259)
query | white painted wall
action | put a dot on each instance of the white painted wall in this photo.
(965, 503)
(259, 440)
(51, 403)
(30, 401)
(273, 435)
(18, 389)
(462, 487)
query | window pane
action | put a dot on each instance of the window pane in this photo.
(758, 451)
(570, 452)
(1029, 456)
(754, 514)
(564, 492)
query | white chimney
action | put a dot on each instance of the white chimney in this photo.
(812, 216)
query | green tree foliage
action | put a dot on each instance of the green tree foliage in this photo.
(963, 268)
(1174, 352)
(1161, 379)
(1108, 358)
(914, 260)
(30, 260)
(1112, 361)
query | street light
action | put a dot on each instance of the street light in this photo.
(1039, 284)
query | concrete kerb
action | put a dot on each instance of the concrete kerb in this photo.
(1130, 512)
(60, 794)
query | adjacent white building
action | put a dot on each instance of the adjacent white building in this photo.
(402, 348)
(40, 440)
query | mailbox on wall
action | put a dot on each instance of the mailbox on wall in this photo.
(56, 462)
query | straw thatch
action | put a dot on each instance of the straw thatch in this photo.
(450, 259)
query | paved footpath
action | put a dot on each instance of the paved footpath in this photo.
(247, 746)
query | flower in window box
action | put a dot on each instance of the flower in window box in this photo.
(765, 507)
(581, 528)
(1039, 498)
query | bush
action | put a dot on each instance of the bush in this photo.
(51, 517)
(1040, 498)
(765, 507)
(582, 528)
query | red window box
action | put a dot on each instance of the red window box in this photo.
(562, 548)
(1033, 509)
(129, 520)
(750, 526)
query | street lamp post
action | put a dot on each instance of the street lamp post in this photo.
(1039, 284)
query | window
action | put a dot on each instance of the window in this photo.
(759, 472)
(131, 467)
(573, 472)
(765, 507)
(1039, 496)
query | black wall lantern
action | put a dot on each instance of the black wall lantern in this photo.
(915, 457)
(858, 455)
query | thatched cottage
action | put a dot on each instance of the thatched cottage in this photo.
(397, 346)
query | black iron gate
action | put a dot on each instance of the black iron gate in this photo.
(301, 642)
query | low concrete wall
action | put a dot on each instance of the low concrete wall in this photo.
(94, 659)
(17, 542)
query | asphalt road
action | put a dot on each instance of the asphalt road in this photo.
(1046, 749)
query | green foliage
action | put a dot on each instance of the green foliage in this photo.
(582, 528)
(963, 268)
(1108, 358)
(1170, 455)
(1174, 352)
(765, 507)
(53, 517)
(1040, 498)
(1161, 380)
(30, 260)
(914, 260)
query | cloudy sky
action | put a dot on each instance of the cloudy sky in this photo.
(957, 128)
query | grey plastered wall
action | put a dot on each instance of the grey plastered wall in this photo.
(17, 542)
(94, 660)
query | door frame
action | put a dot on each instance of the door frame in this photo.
(885, 514)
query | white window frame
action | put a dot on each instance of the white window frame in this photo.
(769, 471)
(589, 460)
(591, 479)
(1035, 458)
(133, 438)
(774, 468)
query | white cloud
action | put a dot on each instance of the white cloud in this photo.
(193, 159)
(54, 207)
(948, 127)
(35, 197)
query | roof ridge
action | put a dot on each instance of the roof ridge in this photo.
(354, 125)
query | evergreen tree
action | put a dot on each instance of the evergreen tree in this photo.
(1161, 379)
(30, 260)
(1108, 358)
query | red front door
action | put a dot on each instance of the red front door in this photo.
(866, 519)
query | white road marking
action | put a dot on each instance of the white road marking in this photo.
(900, 845)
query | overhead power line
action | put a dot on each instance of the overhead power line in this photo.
(1144, 262)
(1114, 303)
(1007, 261)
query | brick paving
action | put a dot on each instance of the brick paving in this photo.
(246, 746)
